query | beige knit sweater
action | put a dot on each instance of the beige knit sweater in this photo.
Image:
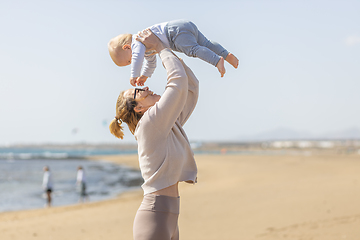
(165, 155)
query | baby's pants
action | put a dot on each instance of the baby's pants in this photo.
(185, 37)
(157, 218)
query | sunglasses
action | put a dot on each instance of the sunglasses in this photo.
(137, 90)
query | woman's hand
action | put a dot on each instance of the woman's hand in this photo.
(150, 40)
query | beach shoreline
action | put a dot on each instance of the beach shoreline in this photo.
(236, 197)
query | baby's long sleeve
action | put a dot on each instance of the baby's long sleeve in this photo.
(137, 59)
(149, 65)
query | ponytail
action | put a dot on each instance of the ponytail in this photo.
(124, 113)
(116, 129)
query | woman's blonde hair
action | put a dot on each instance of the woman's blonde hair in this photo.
(115, 44)
(124, 113)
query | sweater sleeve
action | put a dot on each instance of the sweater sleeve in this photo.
(164, 113)
(192, 95)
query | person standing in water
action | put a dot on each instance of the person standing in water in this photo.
(81, 182)
(47, 185)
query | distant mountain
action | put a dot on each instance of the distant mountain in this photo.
(289, 134)
(277, 134)
(350, 133)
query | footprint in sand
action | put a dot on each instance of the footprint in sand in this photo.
(339, 228)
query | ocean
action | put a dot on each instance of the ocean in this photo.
(21, 173)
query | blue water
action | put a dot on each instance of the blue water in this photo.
(21, 172)
(48, 153)
(21, 178)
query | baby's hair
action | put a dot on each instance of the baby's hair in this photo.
(124, 113)
(115, 45)
(118, 42)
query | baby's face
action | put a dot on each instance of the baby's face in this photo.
(123, 58)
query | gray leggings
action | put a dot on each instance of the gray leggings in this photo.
(157, 218)
(185, 37)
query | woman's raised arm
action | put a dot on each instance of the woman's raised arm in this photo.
(163, 115)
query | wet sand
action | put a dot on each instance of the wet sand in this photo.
(237, 197)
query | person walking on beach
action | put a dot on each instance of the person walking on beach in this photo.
(81, 182)
(179, 35)
(165, 155)
(47, 185)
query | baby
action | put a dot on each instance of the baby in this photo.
(179, 35)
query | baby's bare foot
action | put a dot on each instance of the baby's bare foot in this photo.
(220, 66)
(230, 58)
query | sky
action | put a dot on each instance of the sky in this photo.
(299, 67)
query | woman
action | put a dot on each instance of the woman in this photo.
(165, 156)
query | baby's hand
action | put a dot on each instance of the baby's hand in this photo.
(133, 81)
(141, 80)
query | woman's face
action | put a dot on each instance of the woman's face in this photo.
(145, 98)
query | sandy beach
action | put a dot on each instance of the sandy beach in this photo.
(302, 197)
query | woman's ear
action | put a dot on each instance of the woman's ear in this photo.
(138, 109)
